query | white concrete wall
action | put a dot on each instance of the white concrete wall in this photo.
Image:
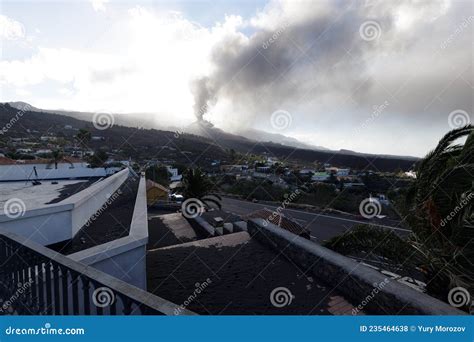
(124, 258)
(44, 226)
(20, 172)
(87, 202)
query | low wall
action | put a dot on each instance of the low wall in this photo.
(202, 227)
(205, 229)
(88, 201)
(353, 279)
(124, 258)
(59, 222)
(44, 226)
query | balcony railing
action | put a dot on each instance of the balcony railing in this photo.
(35, 280)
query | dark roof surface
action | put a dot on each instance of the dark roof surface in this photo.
(71, 189)
(113, 222)
(242, 276)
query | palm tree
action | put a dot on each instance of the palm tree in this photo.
(83, 137)
(56, 157)
(441, 211)
(197, 185)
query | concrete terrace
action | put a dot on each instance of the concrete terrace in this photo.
(48, 192)
(239, 271)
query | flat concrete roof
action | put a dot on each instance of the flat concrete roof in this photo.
(35, 196)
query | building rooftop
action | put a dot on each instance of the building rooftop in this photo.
(111, 222)
(48, 192)
(65, 159)
(239, 274)
(242, 275)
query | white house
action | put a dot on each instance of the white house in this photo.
(320, 176)
(175, 176)
(306, 171)
(343, 172)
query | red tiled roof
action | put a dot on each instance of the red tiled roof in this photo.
(31, 161)
(69, 159)
(281, 221)
(6, 161)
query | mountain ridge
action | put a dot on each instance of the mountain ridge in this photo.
(207, 130)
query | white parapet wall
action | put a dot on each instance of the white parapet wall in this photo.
(90, 200)
(59, 222)
(124, 258)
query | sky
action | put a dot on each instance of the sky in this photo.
(386, 77)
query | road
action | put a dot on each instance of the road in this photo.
(322, 226)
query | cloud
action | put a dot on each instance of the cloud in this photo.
(327, 63)
(330, 61)
(149, 70)
(11, 29)
(99, 5)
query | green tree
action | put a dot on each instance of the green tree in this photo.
(233, 155)
(98, 159)
(197, 185)
(83, 137)
(440, 206)
(56, 157)
(440, 212)
(158, 174)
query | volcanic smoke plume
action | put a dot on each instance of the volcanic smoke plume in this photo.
(324, 53)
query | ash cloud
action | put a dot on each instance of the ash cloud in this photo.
(298, 55)
(313, 56)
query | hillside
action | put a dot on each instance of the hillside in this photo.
(207, 144)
